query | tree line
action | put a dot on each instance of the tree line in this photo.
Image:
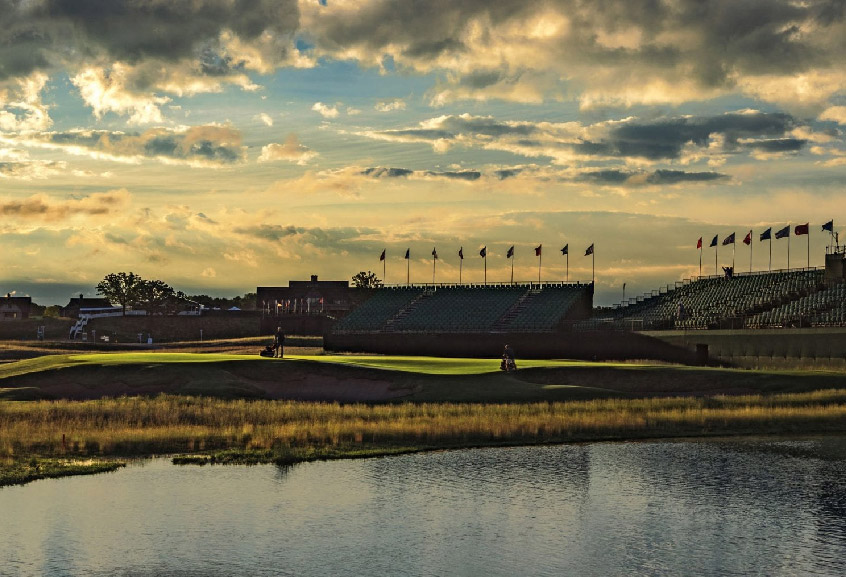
(157, 297)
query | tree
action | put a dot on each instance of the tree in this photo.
(121, 288)
(155, 295)
(366, 280)
(53, 311)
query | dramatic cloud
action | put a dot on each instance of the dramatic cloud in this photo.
(616, 52)
(667, 139)
(291, 151)
(207, 146)
(41, 207)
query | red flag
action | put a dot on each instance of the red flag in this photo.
(699, 243)
(748, 239)
(382, 256)
(538, 250)
(801, 229)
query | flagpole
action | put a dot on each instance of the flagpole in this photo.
(716, 251)
(788, 246)
(460, 266)
(434, 260)
(593, 266)
(733, 249)
(486, 268)
(567, 277)
(771, 251)
(512, 269)
(384, 276)
(750, 251)
(540, 260)
(809, 248)
(700, 262)
(408, 271)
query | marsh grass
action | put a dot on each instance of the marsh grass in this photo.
(280, 430)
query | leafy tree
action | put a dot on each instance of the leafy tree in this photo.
(366, 280)
(155, 295)
(53, 311)
(122, 288)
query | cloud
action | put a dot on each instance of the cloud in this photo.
(612, 53)
(291, 150)
(41, 207)
(198, 146)
(835, 113)
(325, 110)
(265, 118)
(21, 108)
(681, 138)
(390, 105)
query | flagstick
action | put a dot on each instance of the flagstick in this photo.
(512, 269)
(540, 260)
(460, 265)
(809, 248)
(567, 278)
(716, 251)
(788, 247)
(771, 252)
(408, 271)
(384, 277)
(486, 268)
(750, 251)
(593, 266)
(733, 249)
(700, 263)
(434, 260)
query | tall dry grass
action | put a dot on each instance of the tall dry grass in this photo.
(170, 424)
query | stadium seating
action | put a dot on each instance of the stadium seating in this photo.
(717, 301)
(465, 309)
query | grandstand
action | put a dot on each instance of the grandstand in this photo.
(752, 300)
(469, 309)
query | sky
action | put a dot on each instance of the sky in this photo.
(221, 145)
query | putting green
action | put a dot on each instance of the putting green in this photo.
(408, 364)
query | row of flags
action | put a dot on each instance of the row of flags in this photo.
(484, 252)
(799, 230)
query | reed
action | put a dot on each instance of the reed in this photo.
(135, 426)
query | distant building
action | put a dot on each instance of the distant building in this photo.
(14, 308)
(82, 304)
(312, 297)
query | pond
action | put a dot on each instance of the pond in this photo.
(766, 506)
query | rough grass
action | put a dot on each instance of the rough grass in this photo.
(287, 431)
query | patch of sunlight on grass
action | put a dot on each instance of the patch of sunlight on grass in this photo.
(438, 365)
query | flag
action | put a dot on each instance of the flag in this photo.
(829, 226)
(461, 253)
(713, 241)
(538, 250)
(699, 243)
(407, 253)
(484, 252)
(589, 250)
(783, 232)
(383, 255)
(801, 229)
(748, 239)
(566, 249)
(767, 234)
(434, 253)
(729, 239)
(510, 252)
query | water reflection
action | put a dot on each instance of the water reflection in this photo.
(727, 507)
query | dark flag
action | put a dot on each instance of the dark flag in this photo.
(461, 253)
(538, 250)
(767, 234)
(729, 239)
(510, 252)
(484, 252)
(783, 232)
(748, 239)
(407, 253)
(713, 241)
(801, 229)
(829, 226)
(382, 257)
(589, 250)
(566, 249)
(699, 243)
(434, 253)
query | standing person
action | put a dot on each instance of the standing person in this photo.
(279, 343)
(508, 359)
